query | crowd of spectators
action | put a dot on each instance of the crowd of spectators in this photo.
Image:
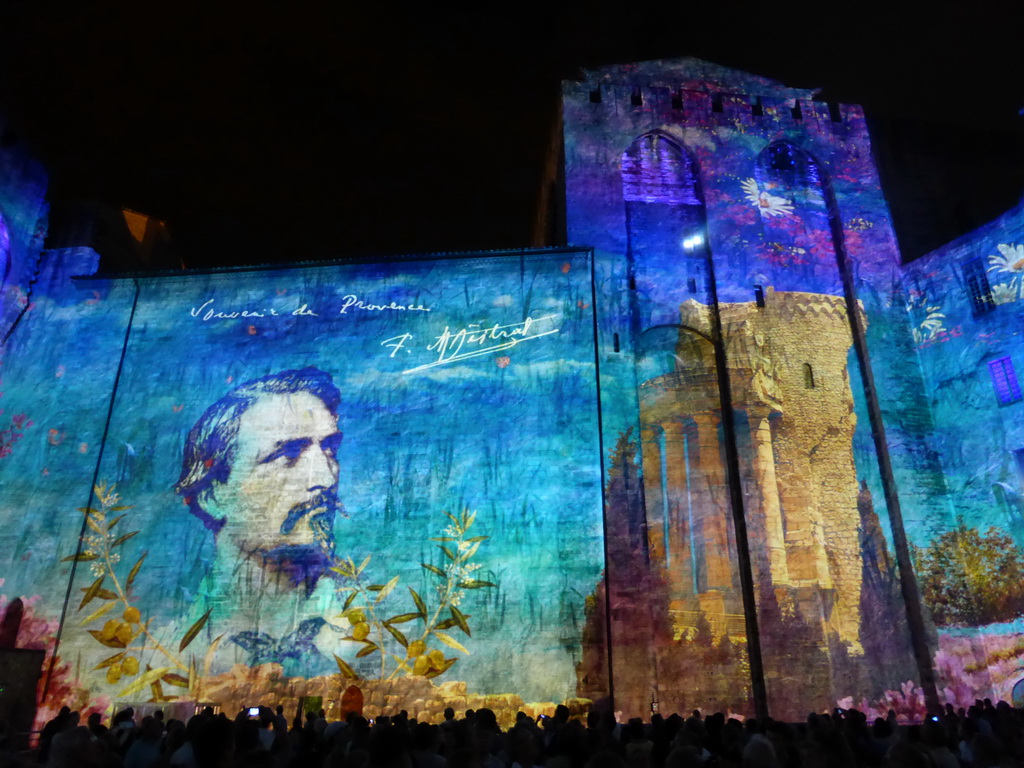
(983, 736)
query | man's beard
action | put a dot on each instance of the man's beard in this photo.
(305, 562)
(321, 510)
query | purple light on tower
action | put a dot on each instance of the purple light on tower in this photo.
(5, 250)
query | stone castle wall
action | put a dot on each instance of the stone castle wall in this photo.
(420, 697)
(788, 370)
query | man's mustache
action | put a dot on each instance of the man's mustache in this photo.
(306, 563)
(321, 508)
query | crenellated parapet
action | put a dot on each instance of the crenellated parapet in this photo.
(725, 120)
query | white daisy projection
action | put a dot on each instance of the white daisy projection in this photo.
(1004, 293)
(934, 319)
(933, 323)
(1010, 262)
(769, 205)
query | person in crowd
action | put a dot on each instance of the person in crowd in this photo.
(840, 739)
(51, 729)
(122, 729)
(145, 748)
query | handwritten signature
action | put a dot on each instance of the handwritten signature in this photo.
(475, 340)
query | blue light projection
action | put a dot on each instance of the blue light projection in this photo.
(380, 474)
(738, 429)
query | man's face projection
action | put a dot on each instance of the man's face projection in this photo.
(284, 477)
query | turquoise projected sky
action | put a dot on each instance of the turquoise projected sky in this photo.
(462, 387)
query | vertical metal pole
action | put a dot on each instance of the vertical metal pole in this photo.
(739, 519)
(604, 498)
(908, 582)
(92, 493)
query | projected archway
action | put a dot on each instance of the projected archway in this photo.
(794, 215)
(666, 222)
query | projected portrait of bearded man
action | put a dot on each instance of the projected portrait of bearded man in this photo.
(260, 470)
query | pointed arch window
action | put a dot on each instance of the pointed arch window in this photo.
(788, 166)
(665, 218)
(794, 213)
(655, 169)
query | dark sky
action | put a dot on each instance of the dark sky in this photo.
(275, 131)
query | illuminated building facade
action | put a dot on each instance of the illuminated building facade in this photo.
(685, 463)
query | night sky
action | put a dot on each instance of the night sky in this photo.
(268, 132)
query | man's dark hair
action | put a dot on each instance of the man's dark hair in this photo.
(211, 443)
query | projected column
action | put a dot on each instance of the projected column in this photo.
(711, 516)
(655, 497)
(764, 474)
(677, 483)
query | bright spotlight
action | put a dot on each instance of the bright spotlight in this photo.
(692, 241)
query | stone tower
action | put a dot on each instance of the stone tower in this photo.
(715, 200)
(787, 358)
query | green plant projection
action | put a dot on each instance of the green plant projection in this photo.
(362, 608)
(366, 474)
